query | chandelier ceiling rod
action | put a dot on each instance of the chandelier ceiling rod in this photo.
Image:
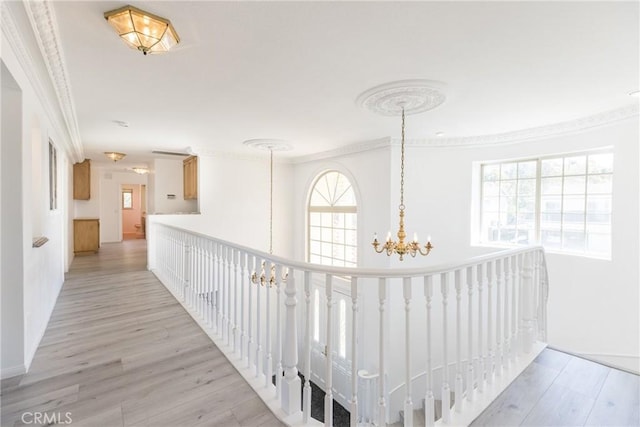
(400, 247)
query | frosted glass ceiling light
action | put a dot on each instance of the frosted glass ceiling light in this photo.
(140, 171)
(114, 155)
(142, 30)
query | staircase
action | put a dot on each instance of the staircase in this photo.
(418, 414)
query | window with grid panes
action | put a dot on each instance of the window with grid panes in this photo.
(562, 202)
(332, 221)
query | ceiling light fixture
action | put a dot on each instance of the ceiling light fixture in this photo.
(142, 30)
(400, 247)
(115, 156)
(140, 171)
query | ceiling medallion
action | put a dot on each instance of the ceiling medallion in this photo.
(268, 144)
(414, 96)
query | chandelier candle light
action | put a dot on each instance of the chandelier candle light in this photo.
(401, 247)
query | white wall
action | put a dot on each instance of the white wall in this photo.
(593, 304)
(31, 277)
(12, 344)
(167, 179)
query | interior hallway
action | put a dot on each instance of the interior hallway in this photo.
(119, 350)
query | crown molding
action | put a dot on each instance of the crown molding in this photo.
(344, 151)
(526, 135)
(44, 24)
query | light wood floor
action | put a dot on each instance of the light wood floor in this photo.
(558, 389)
(120, 351)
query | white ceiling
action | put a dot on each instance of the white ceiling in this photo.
(293, 70)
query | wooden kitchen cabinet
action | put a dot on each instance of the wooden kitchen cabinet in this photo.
(190, 170)
(86, 235)
(82, 180)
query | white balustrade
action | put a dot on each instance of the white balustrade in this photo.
(250, 303)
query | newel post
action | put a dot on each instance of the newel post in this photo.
(291, 386)
(527, 300)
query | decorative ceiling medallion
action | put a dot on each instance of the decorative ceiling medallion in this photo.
(416, 96)
(268, 144)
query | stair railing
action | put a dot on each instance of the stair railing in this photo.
(265, 328)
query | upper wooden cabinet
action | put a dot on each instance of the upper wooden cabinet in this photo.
(190, 170)
(82, 180)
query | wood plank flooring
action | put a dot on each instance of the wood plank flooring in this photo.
(558, 389)
(119, 350)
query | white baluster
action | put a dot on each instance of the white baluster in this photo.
(186, 265)
(306, 398)
(382, 405)
(446, 389)
(459, 387)
(506, 265)
(408, 402)
(514, 307)
(498, 359)
(328, 398)
(228, 261)
(490, 354)
(291, 384)
(481, 360)
(252, 264)
(354, 351)
(244, 273)
(279, 370)
(259, 353)
(545, 295)
(429, 399)
(268, 368)
(527, 335)
(236, 284)
(470, 371)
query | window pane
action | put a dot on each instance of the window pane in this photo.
(573, 204)
(490, 204)
(550, 221)
(314, 233)
(338, 235)
(491, 188)
(575, 165)
(314, 247)
(526, 204)
(574, 185)
(326, 249)
(314, 218)
(601, 163)
(527, 187)
(490, 172)
(508, 204)
(599, 184)
(509, 171)
(551, 203)
(326, 219)
(551, 185)
(338, 220)
(599, 204)
(551, 167)
(326, 234)
(350, 237)
(527, 169)
(508, 188)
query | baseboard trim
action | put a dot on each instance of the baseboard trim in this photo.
(12, 371)
(605, 359)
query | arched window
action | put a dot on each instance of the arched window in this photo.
(332, 221)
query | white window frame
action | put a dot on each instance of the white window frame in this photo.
(479, 239)
(333, 209)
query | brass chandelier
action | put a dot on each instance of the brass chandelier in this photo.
(401, 247)
(262, 279)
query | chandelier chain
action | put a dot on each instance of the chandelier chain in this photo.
(402, 165)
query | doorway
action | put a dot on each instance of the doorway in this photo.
(133, 204)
